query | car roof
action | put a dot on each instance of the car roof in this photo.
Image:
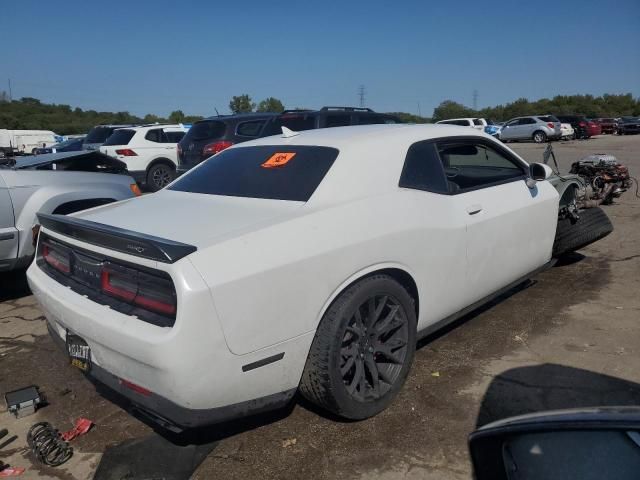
(164, 126)
(371, 156)
(241, 116)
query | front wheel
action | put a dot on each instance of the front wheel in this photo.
(539, 137)
(159, 176)
(363, 349)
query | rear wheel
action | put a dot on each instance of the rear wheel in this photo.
(159, 176)
(592, 225)
(539, 137)
(363, 349)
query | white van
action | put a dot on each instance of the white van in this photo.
(24, 141)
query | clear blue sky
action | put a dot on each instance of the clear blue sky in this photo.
(158, 56)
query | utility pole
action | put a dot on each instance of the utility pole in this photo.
(419, 112)
(361, 93)
(475, 100)
(10, 96)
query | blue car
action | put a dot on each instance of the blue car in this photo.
(72, 145)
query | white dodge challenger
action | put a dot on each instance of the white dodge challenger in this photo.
(306, 262)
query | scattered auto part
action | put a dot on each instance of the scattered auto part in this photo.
(82, 426)
(604, 176)
(47, 445)
(24, 402)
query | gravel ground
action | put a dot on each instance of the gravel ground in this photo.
(569, 338)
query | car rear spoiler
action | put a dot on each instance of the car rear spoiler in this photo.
(119, 239)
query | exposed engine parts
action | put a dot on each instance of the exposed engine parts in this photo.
(605, 178)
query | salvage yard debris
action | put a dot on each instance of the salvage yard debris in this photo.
(24, 402)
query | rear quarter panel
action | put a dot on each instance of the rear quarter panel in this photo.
(274, 284)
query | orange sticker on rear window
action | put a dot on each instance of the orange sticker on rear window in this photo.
(279, 159)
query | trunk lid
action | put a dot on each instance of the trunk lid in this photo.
(191, 218)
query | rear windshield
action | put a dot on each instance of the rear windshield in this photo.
(120, 137)
(208, 129)
(99, 134)
(549, 118)
(174, 137)
(462, 123)
(275, 172)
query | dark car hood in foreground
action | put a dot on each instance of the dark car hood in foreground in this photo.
(83, 161)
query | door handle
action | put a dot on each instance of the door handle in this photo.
(473, 209)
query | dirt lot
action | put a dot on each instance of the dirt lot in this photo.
(569, 338)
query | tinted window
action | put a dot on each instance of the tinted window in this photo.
(477, 121)
(99, 134)
(245, 172)
(155, 135)
(375, 120)
(297, 123)
(549, 118)
(462, 123)
(423, 170)
(250, 129)
(471, 165)
(173, 137)
(207, 129)
(337, 121)
(526, 121)
(120, 137)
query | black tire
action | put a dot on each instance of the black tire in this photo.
(539, 136)
(592, 225)
(344, 357)
(160, 175)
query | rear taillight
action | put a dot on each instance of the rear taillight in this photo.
(146, 291)
(126, 152)
(57, 257)
(216, 147)
(551, 125)
(582, 124)
(135, 387)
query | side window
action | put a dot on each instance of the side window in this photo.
(154, 135)
(512, 123)
(471, 165)
(337, 121)
(422, 169)
(477, 121)
(249, 129)
(527, 121)
(173, 137)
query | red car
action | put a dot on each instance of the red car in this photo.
(608, 125)
(593, 127)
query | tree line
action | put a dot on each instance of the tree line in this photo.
(31, 113)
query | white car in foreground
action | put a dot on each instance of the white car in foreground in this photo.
(150, 152)
(311, 262)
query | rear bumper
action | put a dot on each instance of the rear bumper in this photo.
(188, 376)
(170, 415)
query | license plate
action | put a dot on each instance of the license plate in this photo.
(79, 352)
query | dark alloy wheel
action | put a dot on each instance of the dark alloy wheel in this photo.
(362, 350)
(374, 348)
(159, 176)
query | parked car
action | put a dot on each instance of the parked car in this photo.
(149, 151)
(579, 124)
(309, 261)
(608, 125)
(212, 135)
(99, 134)
(628, 125)
(327, 117)
(72, 145)
(593, 127)
(539, 128)
(477, 123)
(24, 142)
(222, 132)
(59, 183)
(567, 132)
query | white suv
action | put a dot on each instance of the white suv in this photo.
(150, 152)
(478, 123)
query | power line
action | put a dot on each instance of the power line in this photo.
(361, 93)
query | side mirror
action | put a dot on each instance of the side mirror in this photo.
(540, 171)
(588, 444)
